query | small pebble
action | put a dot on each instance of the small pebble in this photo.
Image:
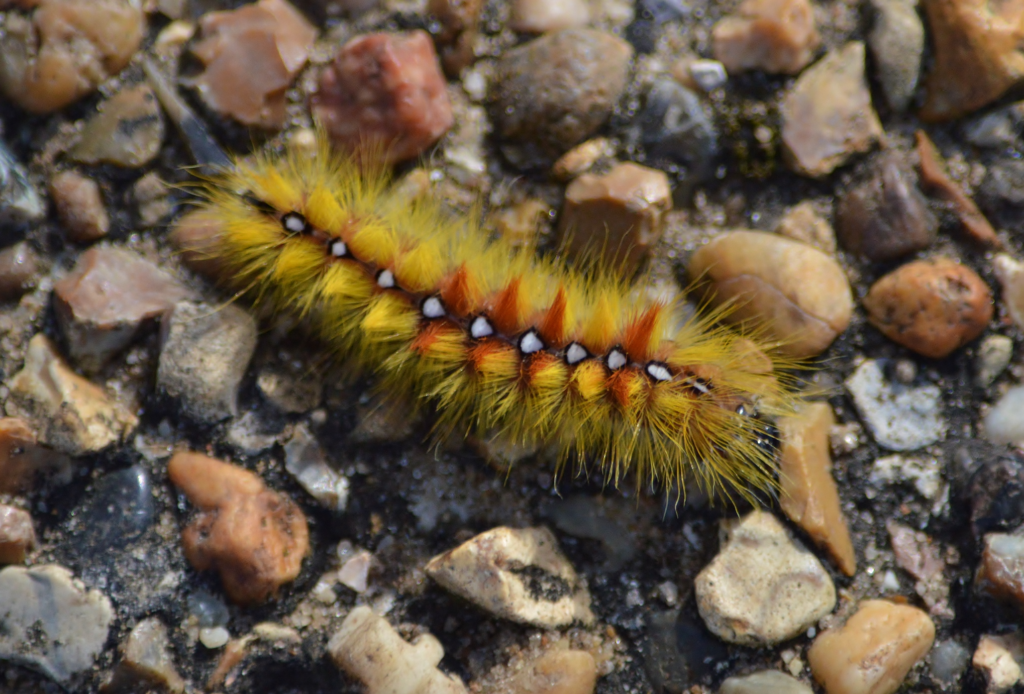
(949, 660)
(799, 294)
(306, 461)
(918, 555)
(549, 595)
(763, 587)
(899, 417)
(999, 659)
(291, 388)
(1010, 273)
(553, 92)
(545, 16)
(355, 572)
(932, 306)
(254, 537)
(1001, 189)
(387, 88)
(896, 42)
(24, 461)
(17, 536)
(678, 133)
(214, 637)
(621, 212)
(764, 682)
(151, 196)
(873, 652)
(996, 129)
(19, 201)
(1001, 570)
(886, 217)
(79, 206)
(103, 303)
(709, 75)
(581, 158)
(679, 651)
(251, 56)
(521, 224)
(65, 49)
(146, 661)
(803, 223)
(369, 650)
(827, 115)
(69, 413)
(1004, 421)
(204, 355)
(996, 491)
(52, 623)
(127, 131)
(207, 609)
(555, 669)
(771, 35)
(921, 472)
(808, 494)
(19, 270)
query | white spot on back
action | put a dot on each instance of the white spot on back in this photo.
(433, 308)
(480, 327)
(294, 222)
(616, 359)
(339, 249)
(530, 343)
(658, 371)
(700, 386)
(576, 353)
(386, 279)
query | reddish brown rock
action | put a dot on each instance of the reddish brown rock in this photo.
(976, 54)
(66, 49)
(384, 88)
(195, 234)
(79, 206)
(931, 306)
(23, 459)
(1001, 571)
(254, 537)
(251, 56)
(19, 269)
(17, 536)
(771, 35)
(621, 214)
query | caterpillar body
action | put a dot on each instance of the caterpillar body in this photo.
(498, 340)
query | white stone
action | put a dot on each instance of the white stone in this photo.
(1004, 422)
(900, 417)
(994, 354)
(999, 659)
(307, 463)
(708, 74)
(763, 587)
(355, 571)
(765, 682)
(1010, 273)
(925, 472)
(488, 570)
(213, 637)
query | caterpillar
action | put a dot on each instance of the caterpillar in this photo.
(498, 340)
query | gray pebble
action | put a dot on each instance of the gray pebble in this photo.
(994, 354)
(897, 43)
(19, 201)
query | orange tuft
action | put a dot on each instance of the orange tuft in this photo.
(552, 326)
(507, 312)
(459, 291)
(638, 337)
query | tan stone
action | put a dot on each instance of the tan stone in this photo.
(17, 536)
(999, 659)
(809, 495)
(771, 35)
(873, 652)
(127, 130)
(799, 294)
(803, 223)
(79, 206)
(23, 459)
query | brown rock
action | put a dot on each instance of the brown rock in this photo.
(23, 458)
(886, 216)
(619, 214)
(803, 223)
(976, 54)
(931, 306)
(103, 303)
(543, 16)
(873, 652)
(809, 496)
(255, 538)
(19, 268)
(252, 55)
(918, 555)
(66, 50)
(799, 294)
(127, 130)
(1001, 571)
(386, 88)
(581, 158)
(79, 206)
(17, 536)
(195, 234)
(459, 20)
(827, 115)
(521, 223)
(771, 35)
(70, 413)
(554, 670)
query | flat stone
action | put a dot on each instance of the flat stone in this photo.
(68, 412)
(517, 574)
(17, 536)
(932, 306)
(764, 682)
(873, 652)
(1004, 421)
(803, 223)
(52, 623)
(679, 651)
(19, 268)
(994, 355)
(763, 587)
(544, 16)
(146, 661)
(976, 56)
(205, 353)
(996, 129)
(621, 212)
(896, 42)
(554, 669)
(24, 461)
(250, 56)
(102, 305)
(799, 294)
(387, 88)
(127, 131)
(900, 417)
(771, 35)
(355, 572)
(306, 461)
(827, 115)
(918, 555)
(369, 650)
(808, 494)
(999, 659)
(1001, 570)
(118, 511)
(80, 206)
(254, 537)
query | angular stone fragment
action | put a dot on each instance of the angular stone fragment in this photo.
(254, 537)
(827, 115)
(307, 463)
(70, 413)
(19, 201)
(17, 536)
(763, 586)
(515, 574)
(127, 131)
(19, 269)
(79, 206)
(999, 659)
(874, 650)
(809, 495)
(146, 661)
(371, 651)
(23, 460)
(1001, 570)
(103, 303)
(621, 213)
(771, 35)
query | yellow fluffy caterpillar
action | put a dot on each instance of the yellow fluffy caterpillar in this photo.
(497, 339)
